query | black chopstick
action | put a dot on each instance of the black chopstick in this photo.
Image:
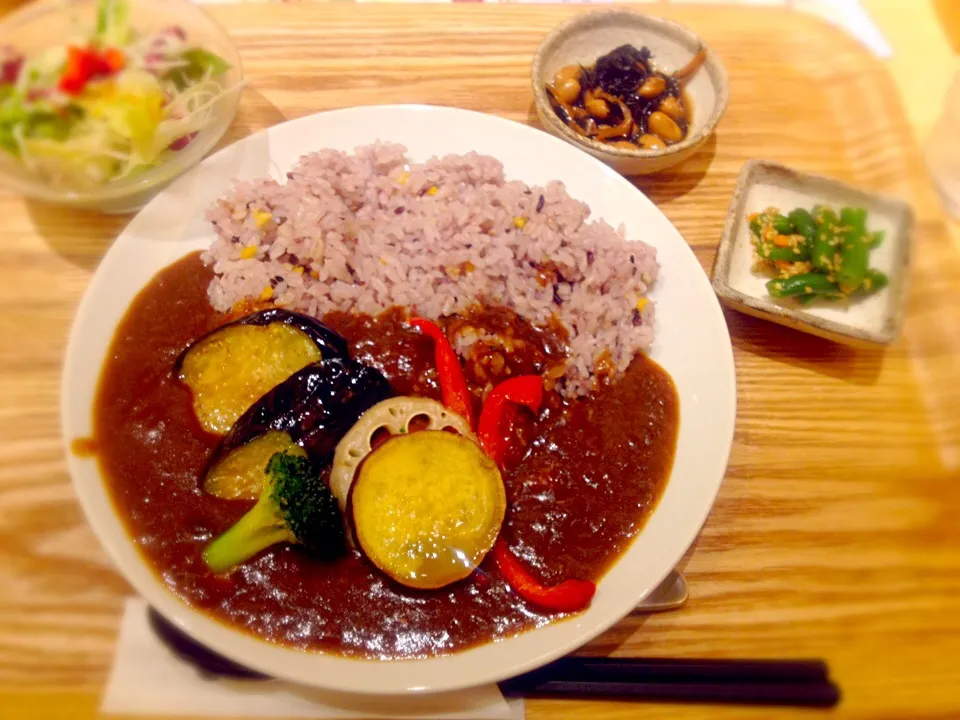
(207, 662)
(803, 683)
(665, 669)
(753, 682)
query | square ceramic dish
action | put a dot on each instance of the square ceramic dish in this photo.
(873, 320)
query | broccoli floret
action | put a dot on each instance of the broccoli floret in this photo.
(295, 506)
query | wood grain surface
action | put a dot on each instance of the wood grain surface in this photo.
(837, 530)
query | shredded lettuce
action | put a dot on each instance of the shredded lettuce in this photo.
(190, 112)
(40, 120)
(132, 107)
(79, 160)
(113, 23)
(198, 64)
(53, 126)
(42, 70)
(12, 115)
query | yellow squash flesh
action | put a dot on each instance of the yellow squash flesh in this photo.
(427, 507)
(394, 415)
(241, 474)
(232, 369)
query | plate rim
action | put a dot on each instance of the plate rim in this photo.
(258, 653)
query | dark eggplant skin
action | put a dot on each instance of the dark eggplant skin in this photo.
(315, 407)
(331, 344)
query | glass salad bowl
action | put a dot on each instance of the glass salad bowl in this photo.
(105, 102)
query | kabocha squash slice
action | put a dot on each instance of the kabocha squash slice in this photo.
(427, 507)
(396, 416)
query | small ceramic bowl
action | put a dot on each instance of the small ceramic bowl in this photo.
(587, 37)
(868, 321)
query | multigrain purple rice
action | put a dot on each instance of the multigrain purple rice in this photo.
(365, 231)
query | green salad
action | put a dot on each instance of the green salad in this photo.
(84, 115)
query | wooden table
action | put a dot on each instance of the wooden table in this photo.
(836, 533)
(924, 35)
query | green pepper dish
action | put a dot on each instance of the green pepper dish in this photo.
(816, 254)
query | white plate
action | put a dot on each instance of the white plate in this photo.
(691, 342)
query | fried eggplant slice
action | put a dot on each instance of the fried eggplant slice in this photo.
(312, 410)
(233, 366)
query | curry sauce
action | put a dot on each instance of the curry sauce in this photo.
(581, 480)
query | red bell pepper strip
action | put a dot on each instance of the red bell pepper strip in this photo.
(114, 59)
(568, 596)
(499, 408)
(84, 64)
(453, 386)
(76, 73)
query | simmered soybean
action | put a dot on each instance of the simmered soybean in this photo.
(624, 100)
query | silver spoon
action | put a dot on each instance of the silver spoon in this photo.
(669, 595)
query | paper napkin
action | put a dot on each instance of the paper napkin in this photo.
(147, 678)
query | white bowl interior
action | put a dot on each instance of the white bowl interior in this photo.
(692, 343)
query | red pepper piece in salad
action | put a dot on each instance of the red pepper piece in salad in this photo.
(567, 596)
(86, 64)
(78, 71)
(453, 386)
(115, 59)
(498, 408)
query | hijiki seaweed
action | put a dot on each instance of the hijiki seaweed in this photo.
(624, 100)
